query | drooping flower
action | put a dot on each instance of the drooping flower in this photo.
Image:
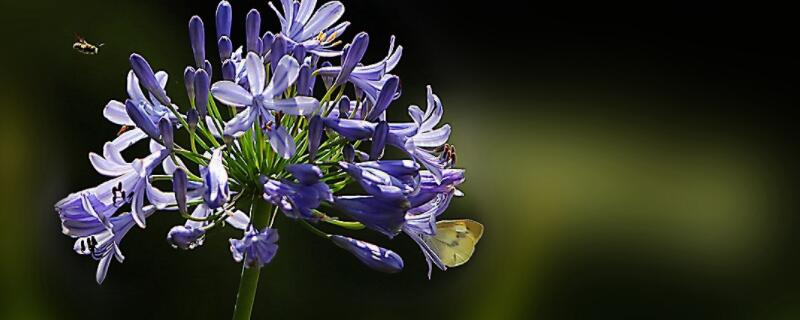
(373, 256)
(215, 181)
(256, 248)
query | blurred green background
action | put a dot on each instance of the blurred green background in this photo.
(628, 161)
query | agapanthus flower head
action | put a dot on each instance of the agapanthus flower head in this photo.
(259, 136)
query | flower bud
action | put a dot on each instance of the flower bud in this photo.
(179, 185)
(228, 70)
(278, 50)
(192, 118)
(314, 136)
(185, 238)
(305, 173)
(355, 52)
(344, 107)
(197, 36)
(188, 81)
(224, 18)
(266, 42)
(385, 98)
(349, 153)
(141, 119)
(148, 79)
(252, 31)
(225, 48)
(373, 256)
(165, 127)
(201, 87)
(379, 140)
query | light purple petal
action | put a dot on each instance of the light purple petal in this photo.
(433, 139)
(282, 142)
(304, 12)
(284, 75)
(115, 112)
(106, 167)
(231, 94)
(238, 220)
(326, 16)
(256, 75)
(241, 122)
(297, 106)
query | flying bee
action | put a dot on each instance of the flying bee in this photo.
(85, 47)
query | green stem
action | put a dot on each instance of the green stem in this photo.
(248, 283)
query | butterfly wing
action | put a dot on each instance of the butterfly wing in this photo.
(455, 240)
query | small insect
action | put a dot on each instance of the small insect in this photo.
(123, 129)
(85, 47)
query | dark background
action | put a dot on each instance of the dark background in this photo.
(628, 160)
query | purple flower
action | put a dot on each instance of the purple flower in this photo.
(312, 30)
(185, 238)
(297, 200)
(130, 181)
(373, 256)
(370, 78)
(256, 248)
(215, 181)
(260, 99)
(386, 216)
(421, 142)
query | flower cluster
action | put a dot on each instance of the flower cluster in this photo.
(258, 142)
